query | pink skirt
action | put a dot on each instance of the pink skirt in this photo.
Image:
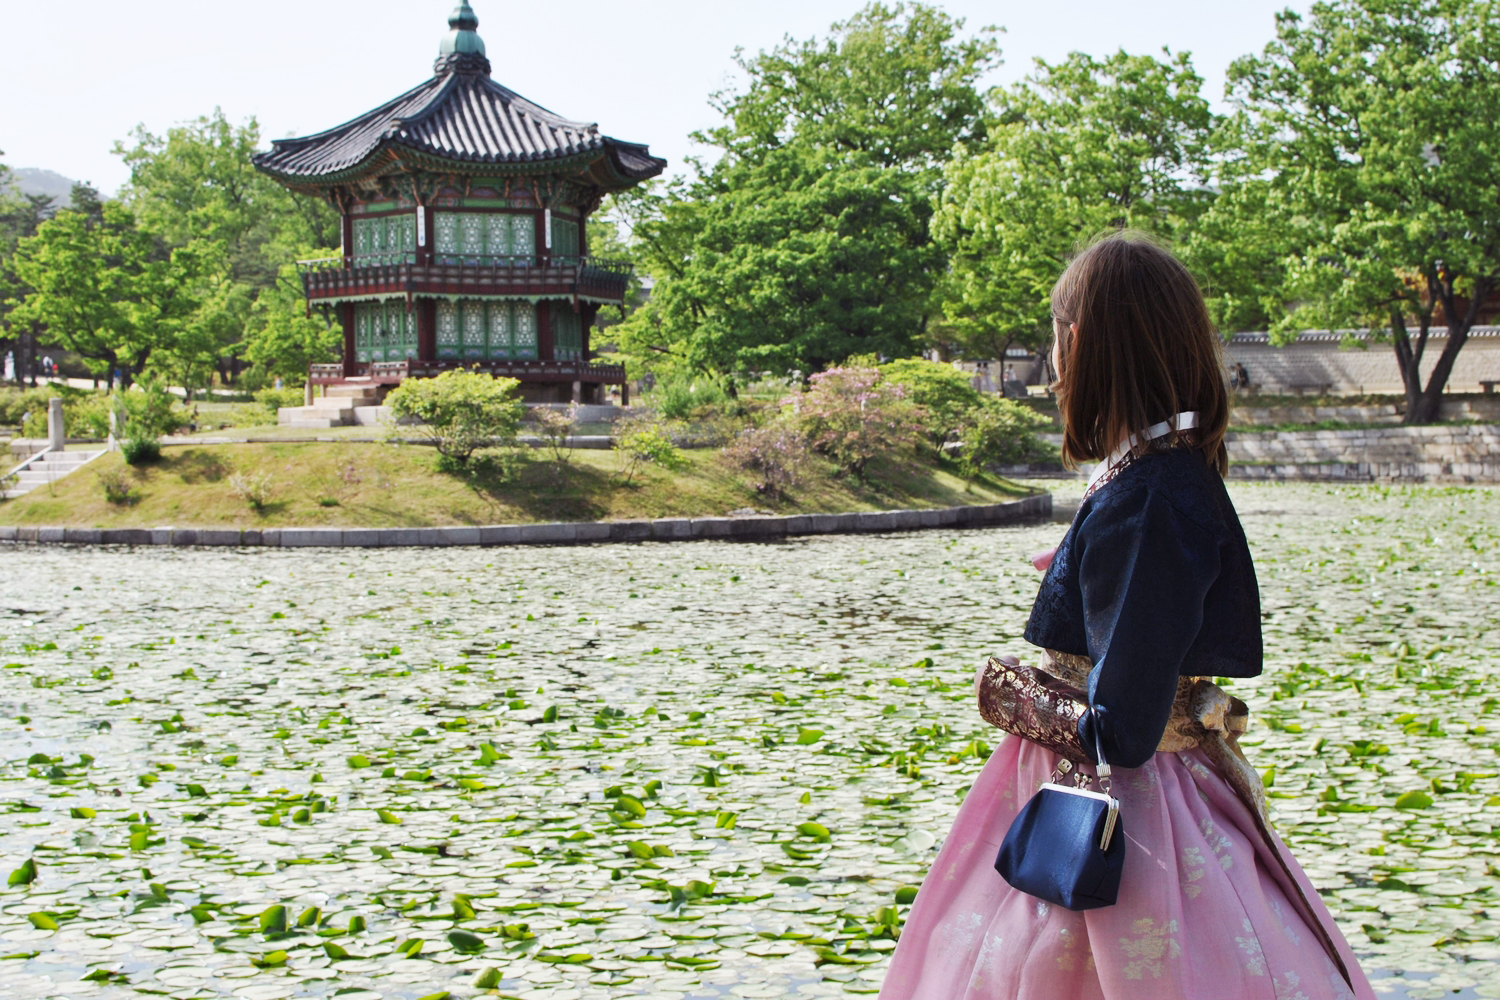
(1206, 910)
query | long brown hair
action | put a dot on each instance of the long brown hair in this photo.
(1145, 350)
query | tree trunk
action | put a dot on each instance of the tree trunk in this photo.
(27, 358)
(1427, 407)
(1409, 360)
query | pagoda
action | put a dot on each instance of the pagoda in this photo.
(464, 210)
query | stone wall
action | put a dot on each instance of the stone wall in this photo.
(1441, 454)
(1316, 361)
(1478, 408)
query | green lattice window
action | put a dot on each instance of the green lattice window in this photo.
(401, 322)
(502, 330)
(469, 329)
(471, 237)
(384, 331)
(488, 330)
(496, 238)
(523, 330)
(513, 330)
(523, 236)
(564, 238)
(446, 243)
(475, 331)
(448, 330)
(567, 333)
(390, 239)
(363, 314)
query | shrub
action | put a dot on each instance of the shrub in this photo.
(251, 415)
(253, 488)
(466, 410)
(119, 485)
(140, 450)
(16, 404)
(683, 399)
(275, 399)
(148, 410)
(852, 416)
(85, 412)
(88, 416)
(774, 455)
(641, 439)
(1001, 432)
(943, 392)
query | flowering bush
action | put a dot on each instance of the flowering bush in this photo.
(852, 416)
(774, 454)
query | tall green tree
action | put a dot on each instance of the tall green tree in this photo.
(196, 182)
(806, 239)
(282, 337)
(19, 217)
(1076, 148)
(113, 292)
(1367, 133)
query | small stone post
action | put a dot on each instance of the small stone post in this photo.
(307, 393)
(57, 437)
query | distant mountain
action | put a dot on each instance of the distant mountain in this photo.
(34, 180)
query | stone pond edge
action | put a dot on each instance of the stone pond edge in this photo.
(665, 529)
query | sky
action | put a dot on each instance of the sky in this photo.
(82, 75)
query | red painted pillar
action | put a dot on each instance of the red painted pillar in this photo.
(346, 319)
(426, 330)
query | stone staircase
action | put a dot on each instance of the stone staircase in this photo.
(342, 406)
(47, 467)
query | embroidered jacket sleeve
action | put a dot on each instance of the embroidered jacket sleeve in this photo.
(1144, 571)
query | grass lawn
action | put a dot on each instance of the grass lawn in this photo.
(393, 485)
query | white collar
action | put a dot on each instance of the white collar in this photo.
(1181, 422)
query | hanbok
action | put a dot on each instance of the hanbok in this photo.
(1150, 595)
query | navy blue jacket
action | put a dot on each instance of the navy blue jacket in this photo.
(1152, 582)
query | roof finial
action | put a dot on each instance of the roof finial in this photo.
(462, 48)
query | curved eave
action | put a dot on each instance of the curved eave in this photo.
(602, 165)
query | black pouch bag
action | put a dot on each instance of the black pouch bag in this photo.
(1067, 846)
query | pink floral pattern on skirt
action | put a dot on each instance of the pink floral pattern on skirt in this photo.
(1204, 911)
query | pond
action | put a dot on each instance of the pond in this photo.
(692, 770)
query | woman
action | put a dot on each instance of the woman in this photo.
(1150, 592)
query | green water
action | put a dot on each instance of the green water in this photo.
(673, 771)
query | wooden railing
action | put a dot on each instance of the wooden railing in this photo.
(392, 372)
(458, 274)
